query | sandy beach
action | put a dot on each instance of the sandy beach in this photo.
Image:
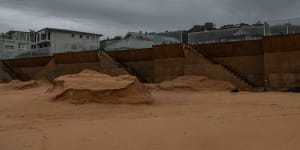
(177, 119)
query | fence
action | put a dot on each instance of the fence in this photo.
(282, 27)
(227, 35)
(141, 41)
(12, 54)
(39, 52)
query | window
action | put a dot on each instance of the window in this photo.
(9, 46)
(38, 37)
(74, 46)
(49, 35)
(44, 44)
(33, 46)
(87, 37)
(80, 36)
(44, 36)
(73, 35)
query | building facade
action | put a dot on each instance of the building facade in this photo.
(59, 40)
(14, 42)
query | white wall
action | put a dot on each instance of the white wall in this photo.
(61, 42)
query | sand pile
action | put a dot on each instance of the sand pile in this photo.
(20, 85)
(25, 85)
(196, 83)
(90, 86)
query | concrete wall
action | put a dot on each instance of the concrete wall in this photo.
(282, 61)
(244, 57)
(65, 41)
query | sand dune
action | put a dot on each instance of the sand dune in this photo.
(194, 83)
(90, 86)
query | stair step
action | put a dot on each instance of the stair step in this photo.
(120, 65)
(10, 71)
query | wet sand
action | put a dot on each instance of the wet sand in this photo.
(177, 120)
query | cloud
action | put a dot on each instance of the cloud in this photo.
(112, 17)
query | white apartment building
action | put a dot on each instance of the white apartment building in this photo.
(17, 40)
(14, 42)
(60, 40)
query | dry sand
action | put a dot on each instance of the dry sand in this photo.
(194, 83)
(177, 120)
(90, 86)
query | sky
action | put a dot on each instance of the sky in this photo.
(117, 17)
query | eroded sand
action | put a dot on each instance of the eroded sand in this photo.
(94, 87)
(177, 120)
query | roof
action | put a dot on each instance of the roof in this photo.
(67, 31)
(13, 31)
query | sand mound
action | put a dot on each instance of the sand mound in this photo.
(90, 86)
(20, 85)
(196, 83)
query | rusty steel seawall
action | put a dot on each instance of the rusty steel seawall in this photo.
(282, 61)
(273, 61)
(244, 57)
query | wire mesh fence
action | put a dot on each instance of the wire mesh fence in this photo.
(282, 27)
(227, 35)
(13, 54)
(143, 40)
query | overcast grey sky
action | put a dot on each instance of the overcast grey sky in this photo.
(113, 17)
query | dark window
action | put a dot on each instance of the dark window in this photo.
(87, 37)
(44, 36)
(49, 35)
(80, 36)
(38, 37)
(44, 44)
(73, 35)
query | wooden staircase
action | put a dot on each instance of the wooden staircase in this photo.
(237, 75)
(10, 71)
(130, 70)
